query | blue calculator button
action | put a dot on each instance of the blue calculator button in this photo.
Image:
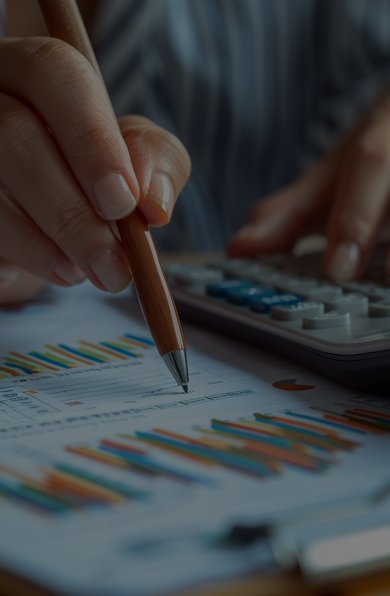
(221, 289)
(244, 296)
(265, 304)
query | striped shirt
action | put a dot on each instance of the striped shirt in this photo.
(255, 89)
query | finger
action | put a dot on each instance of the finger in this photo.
(36, 175)
(23, 245)
(161, 163)
(361, 201)
(68, 95)
(276, 223)
(17, 285)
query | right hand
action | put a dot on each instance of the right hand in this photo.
(66, 172)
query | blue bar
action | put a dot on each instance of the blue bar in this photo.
(231, 460)
(107, 344)
(144, 340)
(49, 360)
(327, 422)
(146, 463)
(82, 355)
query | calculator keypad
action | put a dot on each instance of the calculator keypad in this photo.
(294, 298)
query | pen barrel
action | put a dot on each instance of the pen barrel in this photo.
(154, 295)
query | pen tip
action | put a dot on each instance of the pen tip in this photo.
(176, 362)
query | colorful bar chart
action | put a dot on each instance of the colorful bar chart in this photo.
(259, 446)
(57, 357)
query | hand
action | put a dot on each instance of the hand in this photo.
(66, 171)
(346, 195)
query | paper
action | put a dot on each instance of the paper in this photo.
(112, 480)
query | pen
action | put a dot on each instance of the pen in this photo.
(63, 21)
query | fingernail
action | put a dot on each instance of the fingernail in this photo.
(344, 261)
(114, 197)
(112, 271)
(161, 192)
(246, 233)
(8, 275)
(69, 273)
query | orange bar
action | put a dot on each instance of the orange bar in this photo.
(10, 371)
(129, 448)
(77, 486)
(367, 426)
(368, 413)
(102, 349)
(104, 458)
(69, 355)
(38, 363)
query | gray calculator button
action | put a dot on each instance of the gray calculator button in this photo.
(356, 304)
(269, 278)
(379, 309)
(240, 268)
(172, 269)
(297, 284)
(327, 320)
(378, 294)
(323, 292)
(297, 311)
(197, 277)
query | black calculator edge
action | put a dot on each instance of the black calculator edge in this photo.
(365, 373)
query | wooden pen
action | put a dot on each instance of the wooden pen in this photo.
(63, 21)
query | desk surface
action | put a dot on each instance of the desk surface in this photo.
(377, 584)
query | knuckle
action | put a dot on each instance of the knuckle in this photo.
(94, 138)
(70, 222)
(18, 129)
(358, 227)
(373, 148)
(28, 251)
(47, 53)
(157, 143)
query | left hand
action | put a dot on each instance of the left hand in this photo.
(161, 165)
(346, 195)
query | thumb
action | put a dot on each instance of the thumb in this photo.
(278, 221)
(161, 164)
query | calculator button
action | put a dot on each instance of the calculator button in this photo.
(378, 294)
(265, 304)
(379, 309)
(323, 292)
(244, 296)
(221, 289)
(172, 269)
(293, 312)
(197, 278)
(356, 304)
(296, 284)
(327, 320)
(239, 268)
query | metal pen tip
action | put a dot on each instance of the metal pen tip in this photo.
(176, 362)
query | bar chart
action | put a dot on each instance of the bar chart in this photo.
(61, 356)
(259, 446)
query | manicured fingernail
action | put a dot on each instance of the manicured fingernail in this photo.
(8, 275)
(161, 192)
(246, 233)
(69, 273)
(114, 197)
(344, 261)
(112, 271)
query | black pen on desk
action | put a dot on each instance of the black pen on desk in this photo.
(64, 22)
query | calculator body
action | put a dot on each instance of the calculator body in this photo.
(341, 331)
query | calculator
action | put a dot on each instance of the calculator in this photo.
(341, 330)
